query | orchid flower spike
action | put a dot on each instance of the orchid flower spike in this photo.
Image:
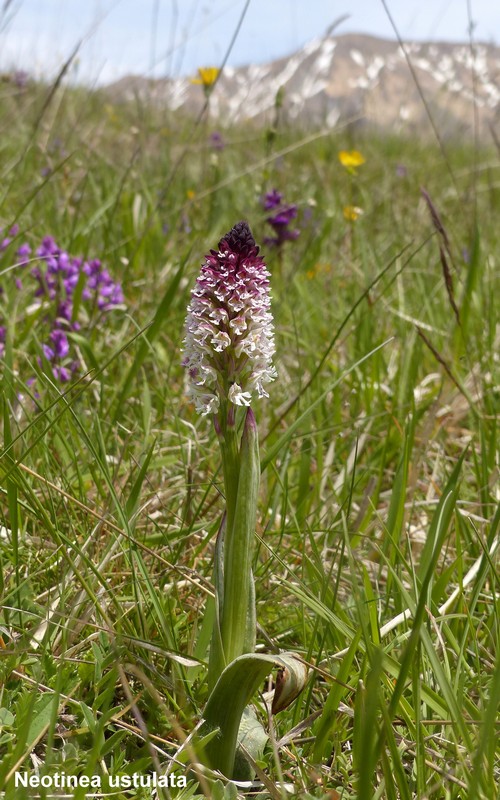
(229, 340)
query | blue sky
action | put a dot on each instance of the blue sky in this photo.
(174, 37)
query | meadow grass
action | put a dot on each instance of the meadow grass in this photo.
(378, 522)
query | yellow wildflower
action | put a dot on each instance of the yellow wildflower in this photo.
(350, 159)
(351, 213)
(206, 76)
(190, 194)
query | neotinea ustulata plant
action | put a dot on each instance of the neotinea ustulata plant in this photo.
(228, 352)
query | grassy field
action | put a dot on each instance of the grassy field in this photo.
(378, 521)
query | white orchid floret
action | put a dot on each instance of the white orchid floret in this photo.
(237, 396)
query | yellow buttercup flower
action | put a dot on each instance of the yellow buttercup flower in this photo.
(350, 159)
(206, 76)
(351, 213)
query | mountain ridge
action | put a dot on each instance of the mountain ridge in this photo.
(337, 78)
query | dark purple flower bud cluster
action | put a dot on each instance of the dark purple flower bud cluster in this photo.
(279, 219)
(56, 276)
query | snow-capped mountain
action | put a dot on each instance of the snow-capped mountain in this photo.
(350, 77)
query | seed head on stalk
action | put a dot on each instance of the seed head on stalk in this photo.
(229, 340)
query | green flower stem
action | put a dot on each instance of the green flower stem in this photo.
(224, 423)
(238, 611)
(235, 618)
(228, 442)
(216, 661)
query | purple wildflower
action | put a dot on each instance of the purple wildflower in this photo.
(48, 352)
(63, 273)
(3, 334)
(60, 343)
(23, 254)
(229, 339)
(283, 217)
(48, 251)
(217, 141)
(57, 274)
(110, 294)
(62, 374)
(7, 240)
(280, 219)
(47, 247)
(272, 200)
(65, 310)
(93, 270)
